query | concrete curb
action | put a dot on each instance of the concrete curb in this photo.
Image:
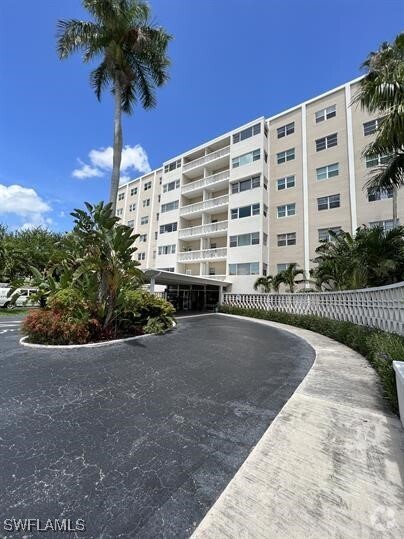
(24, 342)
(330, 465)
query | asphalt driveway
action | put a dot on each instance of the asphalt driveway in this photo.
(138, 439)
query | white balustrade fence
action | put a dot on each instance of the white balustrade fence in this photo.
(381, 307)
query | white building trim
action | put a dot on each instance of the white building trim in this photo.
(351, 158)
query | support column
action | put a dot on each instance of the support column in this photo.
(152, 285)
(220, 295)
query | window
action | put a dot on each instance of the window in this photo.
(156, 234)
(170, 227)
(167, 249)
(287, 155)
(327, 203)
(283, 266)
(154, 255)
(286, 210)
(247, 133)
(132, 207)
(131, 224)
(245, 239)
(376, 160)
(265, 184)
(159, 198)
(141, 256)
(285, 183)
(249, 268)
(386, 225)
(285, 130)
(133, 191)
(379, 194)
(161, 180)
(326, 114)
(170, 206)
(144, 220)
(264, 238)
(147, 186)
(146, 202)
(166, 269)
(326, 142)
(286, 239)
(119, 212)
(121, 196)
(264, 269)
(171, 186)
(246, 158)
(265, 157)
(265, 210)
(245, 211)
(329, 171)
(143, 238)
(172, 166)
(246, 184)
(371, 127)
(324, 233)
(157, 216)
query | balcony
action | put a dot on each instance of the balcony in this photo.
(211, 203)
(222, 177)
(203, 230)
(201, 161)
(205, 254)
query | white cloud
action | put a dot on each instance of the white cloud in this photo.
(134, 159)
(86, 171)
(25, 203)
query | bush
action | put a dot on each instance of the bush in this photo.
(154, 325)
(147, 308)
(379, 347)
(44, 326)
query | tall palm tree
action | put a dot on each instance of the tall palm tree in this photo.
(134, 59)
(265, 283)
(288, 277)
(382, 92)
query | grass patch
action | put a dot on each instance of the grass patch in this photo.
(13, 312)
(378, 347)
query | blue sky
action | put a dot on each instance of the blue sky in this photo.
(232, 61)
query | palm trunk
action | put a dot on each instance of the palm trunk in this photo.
(117, 155)
(395, 196)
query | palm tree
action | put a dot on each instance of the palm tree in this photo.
(134, 59)
(265, 283)
(382, 92)
(372, 257)
(288, 277)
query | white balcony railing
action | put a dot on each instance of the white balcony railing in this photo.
(205, 254)
(205, 205)
(206, 159)
(205, 182)
(202, 230)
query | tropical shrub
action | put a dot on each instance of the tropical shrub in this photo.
(379, 347)
(93, 292)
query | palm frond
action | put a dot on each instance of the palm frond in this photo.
(73, 35)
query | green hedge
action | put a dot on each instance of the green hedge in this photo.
(379, 347)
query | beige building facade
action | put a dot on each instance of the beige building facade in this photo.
(264, 195)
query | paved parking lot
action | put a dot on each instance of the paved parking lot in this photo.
(138, 439)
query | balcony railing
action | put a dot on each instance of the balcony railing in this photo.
(205, 205)
(202, 230)
(205, 182)
(206, 159)
(205, 254)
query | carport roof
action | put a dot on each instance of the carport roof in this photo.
(169, 277)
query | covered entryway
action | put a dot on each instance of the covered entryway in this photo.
(188, 292)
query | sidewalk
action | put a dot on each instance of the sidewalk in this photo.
(331, 465)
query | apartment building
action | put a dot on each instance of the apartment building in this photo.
(257, 198)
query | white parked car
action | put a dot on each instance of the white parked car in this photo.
(23, 299)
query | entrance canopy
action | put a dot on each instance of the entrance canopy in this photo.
(170, 278)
